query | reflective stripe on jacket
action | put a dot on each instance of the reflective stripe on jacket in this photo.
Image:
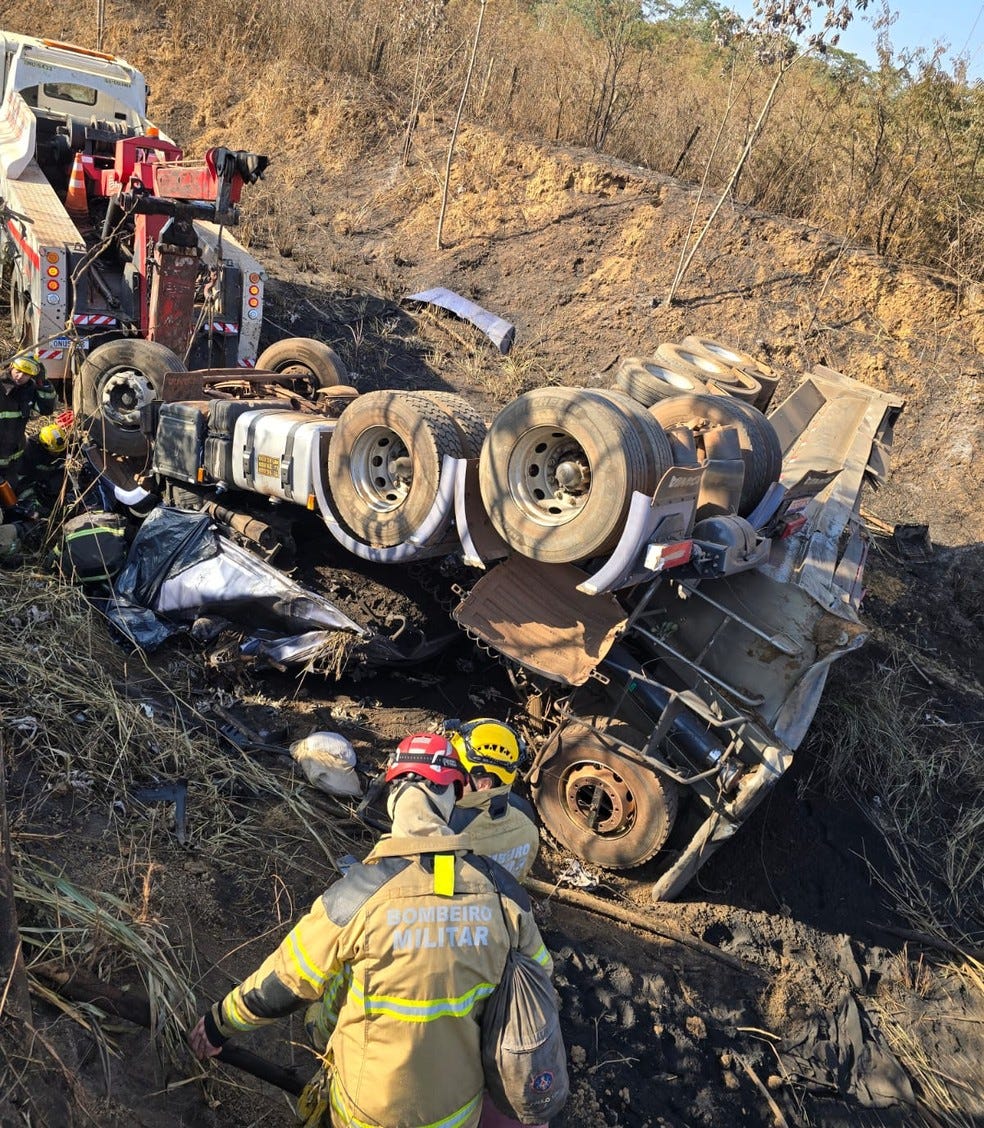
(16, 404)
(405, 1051)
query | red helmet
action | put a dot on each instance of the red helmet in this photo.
(429, 756)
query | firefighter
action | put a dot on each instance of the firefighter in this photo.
(23, 388)
(422, 928)
(43, 469)
(499, 824)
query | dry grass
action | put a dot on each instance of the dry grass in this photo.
(949, 1091)
(82, 726)
(880, 743)
(921, 781)
(889, 160)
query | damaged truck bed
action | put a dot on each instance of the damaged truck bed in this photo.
(666, 574)
(691, 692)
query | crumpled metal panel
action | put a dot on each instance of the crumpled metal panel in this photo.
(499, 331)
(534, 614)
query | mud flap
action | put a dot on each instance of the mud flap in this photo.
(535, 614)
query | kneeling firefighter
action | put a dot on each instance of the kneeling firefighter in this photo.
(421, 930)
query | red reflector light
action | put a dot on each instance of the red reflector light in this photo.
(52, 271)
(659, 557)
(52, 285)
(792, 525)
(254, 289)
(254, 302)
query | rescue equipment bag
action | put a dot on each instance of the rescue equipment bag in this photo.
(523, 1053)
(93, 547)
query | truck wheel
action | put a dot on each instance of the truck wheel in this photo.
(711, 369)
(647, 380)
(118, 379)
(760, 448)
(655, 439)
(20, 313)
(608, 809)
(557, 472)
(384, 464)
(315, 364)
(767, 377)
(470, 421)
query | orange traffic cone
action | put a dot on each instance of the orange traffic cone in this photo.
(76, 202)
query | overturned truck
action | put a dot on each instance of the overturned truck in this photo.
(666, 570)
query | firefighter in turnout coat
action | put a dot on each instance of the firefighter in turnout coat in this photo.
(422, 929)
(24, 388)
(499, 824)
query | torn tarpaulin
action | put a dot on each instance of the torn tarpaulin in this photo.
(497, 329)
(846, 1053)
(180, 568)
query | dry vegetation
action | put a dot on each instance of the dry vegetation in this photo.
(920, 778)
(889, 157)
(84, 729)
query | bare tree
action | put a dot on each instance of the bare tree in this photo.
(457, 123)
(780, 31)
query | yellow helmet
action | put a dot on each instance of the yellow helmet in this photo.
(52, 438)
(486, 746)
(29, 366)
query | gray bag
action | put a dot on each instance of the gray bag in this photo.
(523, 1052)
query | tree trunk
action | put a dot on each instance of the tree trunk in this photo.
(457, 123)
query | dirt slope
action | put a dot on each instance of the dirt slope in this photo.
(574, 249)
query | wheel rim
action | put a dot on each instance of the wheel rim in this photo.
(124, 392)
(20, 306)
(304, 380)
(382, 469)
(598, 800)
(668, 376)
(706, 364)
(722, 353)
(549, 476)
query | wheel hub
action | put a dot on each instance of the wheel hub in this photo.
(573, 477)
(382, 469)
(124, 394)
(598, 800)
(549, 476)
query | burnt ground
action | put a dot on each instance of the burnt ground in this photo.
(827, 988)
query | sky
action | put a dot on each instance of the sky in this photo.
(920, 23)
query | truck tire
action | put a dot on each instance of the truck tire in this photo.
(20, 312)
(711, 369)
(738, 385)
(557, 472)
(470, 421)
(655, 438)
(316, 364)
(118, 379)
(610, 810)
(760, 448)
(765, 374)
(690, 362)
(648, 380)
(384, 464)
